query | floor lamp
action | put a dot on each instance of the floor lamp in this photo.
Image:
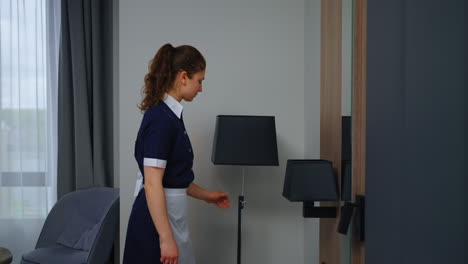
(244, 141)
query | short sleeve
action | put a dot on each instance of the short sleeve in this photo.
(157, 142)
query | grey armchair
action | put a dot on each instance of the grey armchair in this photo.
(80, 228)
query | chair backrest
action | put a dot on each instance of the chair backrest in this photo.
(107, 235)
(77, 220)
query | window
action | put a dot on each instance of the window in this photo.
(26, 175)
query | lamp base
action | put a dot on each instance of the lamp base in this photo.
(239, 227)
(309, 210)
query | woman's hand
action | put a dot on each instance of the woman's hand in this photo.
(169, 251)
(221, 199)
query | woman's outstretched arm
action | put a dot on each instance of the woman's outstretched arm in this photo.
(221, 199)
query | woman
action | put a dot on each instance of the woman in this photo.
(157, 229)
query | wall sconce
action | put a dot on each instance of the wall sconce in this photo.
(309, 181)
(357, 210)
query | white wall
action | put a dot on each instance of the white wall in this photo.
(346, 56)
(255, 65)
(312, 113)
(116, 85)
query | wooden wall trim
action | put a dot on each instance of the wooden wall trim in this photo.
(330, 117)
(359, 115)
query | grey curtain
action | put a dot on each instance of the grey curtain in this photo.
(85, 92)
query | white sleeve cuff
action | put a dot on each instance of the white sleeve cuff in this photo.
(154, 163)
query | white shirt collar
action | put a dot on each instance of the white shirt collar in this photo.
(173, 104)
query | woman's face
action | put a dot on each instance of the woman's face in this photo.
(192, 86)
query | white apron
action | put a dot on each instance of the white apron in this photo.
(176, 202)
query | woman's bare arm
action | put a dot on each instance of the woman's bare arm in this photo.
(197, 192)
(156, 200)
(221, 199)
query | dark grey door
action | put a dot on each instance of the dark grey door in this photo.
(416, 132)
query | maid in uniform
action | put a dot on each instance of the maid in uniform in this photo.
(157, 229)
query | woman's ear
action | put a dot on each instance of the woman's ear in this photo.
(183, 77)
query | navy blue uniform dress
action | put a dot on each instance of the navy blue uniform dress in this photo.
(162, 141)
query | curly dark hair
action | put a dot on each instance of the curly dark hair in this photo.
(163, 69)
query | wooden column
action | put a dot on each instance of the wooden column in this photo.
(359, 115)
(330, 117)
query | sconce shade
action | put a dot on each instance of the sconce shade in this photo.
(310, 180)
(245, 140)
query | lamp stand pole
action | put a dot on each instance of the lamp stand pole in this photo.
(239, 219)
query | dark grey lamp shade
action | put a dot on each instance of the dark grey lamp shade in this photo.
(310, 180)
(245, 140)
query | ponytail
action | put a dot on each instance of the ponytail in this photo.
(158, 77)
